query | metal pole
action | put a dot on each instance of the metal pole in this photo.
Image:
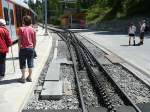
(45, 16)
(11, 36)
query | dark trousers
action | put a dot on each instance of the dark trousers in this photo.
(26, 55)
(2, 64)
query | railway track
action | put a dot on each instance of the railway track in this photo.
(95, 70)
(112, 96)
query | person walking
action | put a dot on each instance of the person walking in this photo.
(131, 33)
(26, 43)
(142, 31)
(5, 42)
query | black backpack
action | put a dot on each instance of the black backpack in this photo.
(146, 28)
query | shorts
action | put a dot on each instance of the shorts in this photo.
(26, 54)
(2, 64)
(132, 35)
(142, 35)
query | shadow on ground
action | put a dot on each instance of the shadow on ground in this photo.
(14, 58)
(131, 45)
(4, 82)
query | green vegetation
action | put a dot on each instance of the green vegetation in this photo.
(55, 9)
(96, 10)
(104, 10)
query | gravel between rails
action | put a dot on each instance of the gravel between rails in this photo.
(89, 93)
(110, 90)
(135, 89)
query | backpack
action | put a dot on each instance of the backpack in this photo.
(146, 28)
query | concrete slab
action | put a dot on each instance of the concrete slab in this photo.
(144, 107)
(124, 108)
(53, 73)
(62, 61)
(97, 109)
(114, 58)
(52, 90)
(103, 61)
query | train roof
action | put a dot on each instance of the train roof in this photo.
(20, 3)
(33, 12)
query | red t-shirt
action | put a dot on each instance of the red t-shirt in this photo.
(5, 40)
(27, 37)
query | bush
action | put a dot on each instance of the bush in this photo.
(96, 13)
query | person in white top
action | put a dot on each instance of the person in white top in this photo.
(131, 33)
(142, 31)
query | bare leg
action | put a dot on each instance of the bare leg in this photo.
(129, 40)
(30, 72)
(23, 78)
(142, 41)
(134, 40)
(29, 79)
(23, 73)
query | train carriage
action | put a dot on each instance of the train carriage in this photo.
(13, 11)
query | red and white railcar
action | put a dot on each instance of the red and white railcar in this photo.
(13, 11)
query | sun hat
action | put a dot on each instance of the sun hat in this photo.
(2, 21)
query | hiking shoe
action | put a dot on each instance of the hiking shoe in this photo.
(1, 77)
(22, 80)
(29, 79)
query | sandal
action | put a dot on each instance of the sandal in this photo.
(29, 79)
(22, 80)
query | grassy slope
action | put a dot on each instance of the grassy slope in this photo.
(126, 9)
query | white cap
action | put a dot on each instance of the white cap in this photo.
(2, 21)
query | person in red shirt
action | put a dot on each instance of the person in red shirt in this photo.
(27, 43)
(5, 42)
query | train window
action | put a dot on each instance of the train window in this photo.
(6, 15)
(12, 17)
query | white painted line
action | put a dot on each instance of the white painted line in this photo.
(55, 51)
(56, 43)
(55, 55)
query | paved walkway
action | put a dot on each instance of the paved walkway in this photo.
(137, 57)
(14, 95)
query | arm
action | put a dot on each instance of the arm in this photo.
(19, 38)
(34, 40)
(8, 39)
(128, 29)
(19, 43)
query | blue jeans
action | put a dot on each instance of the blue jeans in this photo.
(26, 55)
(2, 63)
